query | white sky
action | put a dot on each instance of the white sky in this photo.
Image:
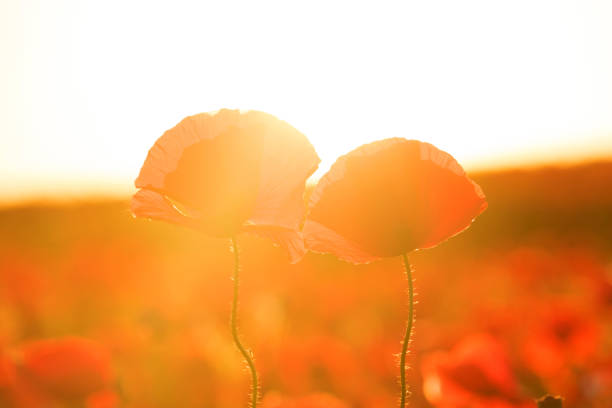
(87, 86)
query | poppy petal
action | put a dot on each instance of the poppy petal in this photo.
(475, 373)
(227, 172)
(391, 197)
(288, 159)
(164, 156)
(288, 239)
(67, 367)
(211, 163)
(153, 205)
(454, 202)
(320, 239)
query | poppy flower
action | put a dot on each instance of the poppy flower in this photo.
(70, 367)
(560, 336)
(475, 373)
(227, 172)
(388, 198)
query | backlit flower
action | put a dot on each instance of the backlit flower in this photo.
(227, 172)
(388, 198)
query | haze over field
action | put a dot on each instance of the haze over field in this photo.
(86, 87)
(239, 274)
(534, 272)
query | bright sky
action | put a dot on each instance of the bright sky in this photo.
(86, 87)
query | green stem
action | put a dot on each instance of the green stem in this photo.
(408, 331)
(247, 354)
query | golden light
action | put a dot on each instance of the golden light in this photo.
(92, 84)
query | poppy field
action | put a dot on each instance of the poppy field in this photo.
(100, 310)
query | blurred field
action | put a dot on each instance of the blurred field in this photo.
(534, 273)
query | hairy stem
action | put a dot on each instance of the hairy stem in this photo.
(408, 331)
(247, 354)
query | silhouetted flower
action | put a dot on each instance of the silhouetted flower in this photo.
(227, 172)
(388, 198)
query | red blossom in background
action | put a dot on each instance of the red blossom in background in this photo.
(102, 399)
(69, 368)
(8, 379)
(476, 373)
(388, 198)
(536, 276)
(560, 336)
(227, 172)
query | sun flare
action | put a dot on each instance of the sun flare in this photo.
(88, 89)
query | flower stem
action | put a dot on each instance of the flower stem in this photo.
(247, 354)
(408, 331)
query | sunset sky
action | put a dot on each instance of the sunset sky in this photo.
(86, 87)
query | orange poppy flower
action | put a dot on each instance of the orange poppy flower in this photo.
(227, 172)
(71, 367)
(475, 373)
(388, 198)
(560, 336)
